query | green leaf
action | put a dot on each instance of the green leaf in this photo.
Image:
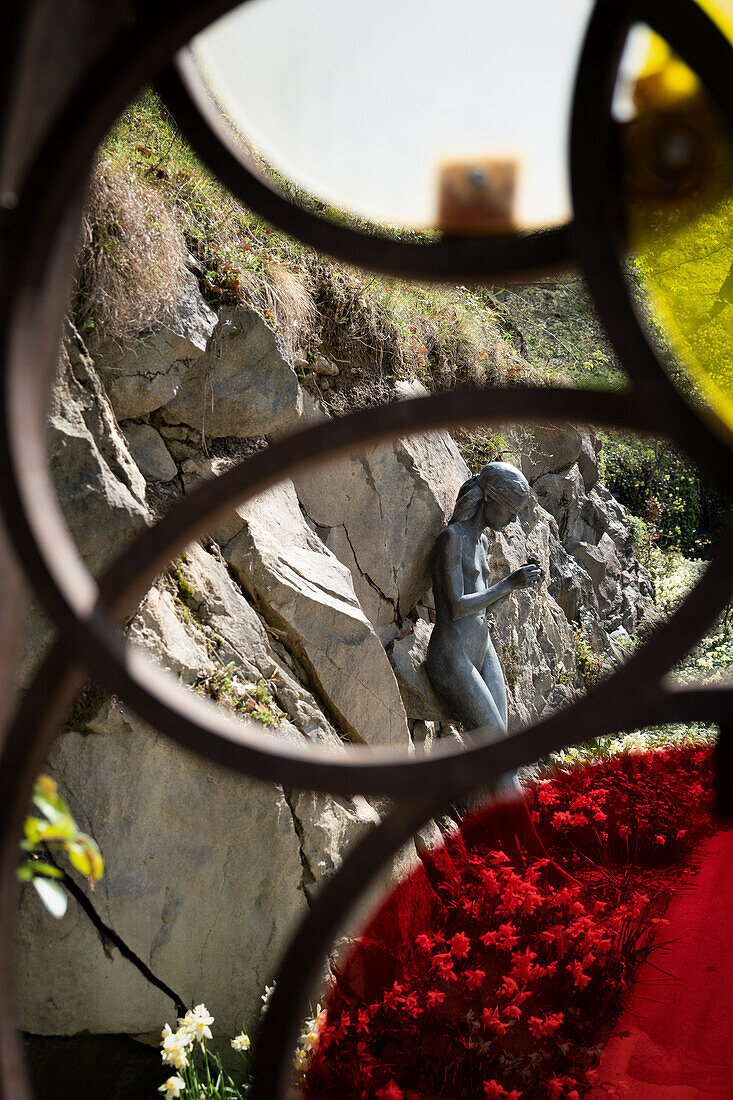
(38, 867)
(52, 895)
(85, 857)
(60, 831)
(32, 828)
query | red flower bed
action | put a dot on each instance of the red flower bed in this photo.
(483, 978)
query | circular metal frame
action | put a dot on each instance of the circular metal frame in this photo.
(32, 302)
(449, 259)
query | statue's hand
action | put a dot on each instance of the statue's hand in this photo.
(527, 576)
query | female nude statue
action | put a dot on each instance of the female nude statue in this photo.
(461, 661)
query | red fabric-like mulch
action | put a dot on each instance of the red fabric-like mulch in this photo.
(485, 978)
(674, 1039)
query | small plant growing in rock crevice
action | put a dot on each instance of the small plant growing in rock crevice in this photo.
(590, 666)
(224, 686)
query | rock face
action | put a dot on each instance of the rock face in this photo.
(142, 375)
(380, 512)
(285, 614)
(152, 457)
(186, 891)
(101, 490)
(578, 534)
(243, 385)
(307, 595)
(616, 589)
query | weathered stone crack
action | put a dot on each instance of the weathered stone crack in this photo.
(216, 914)
(269, 617)
(109, 938)
(308, 878)
(370, 581)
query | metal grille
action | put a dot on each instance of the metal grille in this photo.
(70, 68)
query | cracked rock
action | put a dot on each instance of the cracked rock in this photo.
(304, 592)
(243, 386)
(142, 375)
(382, 511)
(189, 885)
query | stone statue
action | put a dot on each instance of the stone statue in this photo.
(461, 660)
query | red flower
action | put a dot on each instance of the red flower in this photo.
(491, 1019)
(523, 968)
(390, 1092)
(459, 945)
(493, 1090)
(490, 880)
(444, 964)
(435, 997)
(547, 794)
(548, 1026)
(424, 942)
(580, 976)
(392, 998)
(474, 978)
(508, 938)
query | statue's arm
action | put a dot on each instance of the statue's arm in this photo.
(460, 603)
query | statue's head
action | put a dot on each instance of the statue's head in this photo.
(500, 490)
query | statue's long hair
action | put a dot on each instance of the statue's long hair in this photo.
(498, 481)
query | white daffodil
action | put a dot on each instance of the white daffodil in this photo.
(269, 990)
(174, 1046)
(196, 1023)
(241, 1042)
(172, 1088)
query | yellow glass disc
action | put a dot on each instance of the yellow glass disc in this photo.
(679, 185)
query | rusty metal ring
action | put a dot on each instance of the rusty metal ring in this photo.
(450, 259)
(651, 662)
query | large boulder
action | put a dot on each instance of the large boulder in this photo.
(548, 448)
(141, 375)
(189, 886)
(307, 595)
(380, 512)
(243, 386)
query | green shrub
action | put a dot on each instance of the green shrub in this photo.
(657, 484)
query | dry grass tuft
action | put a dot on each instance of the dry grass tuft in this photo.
(289, 299)
(132, 259)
